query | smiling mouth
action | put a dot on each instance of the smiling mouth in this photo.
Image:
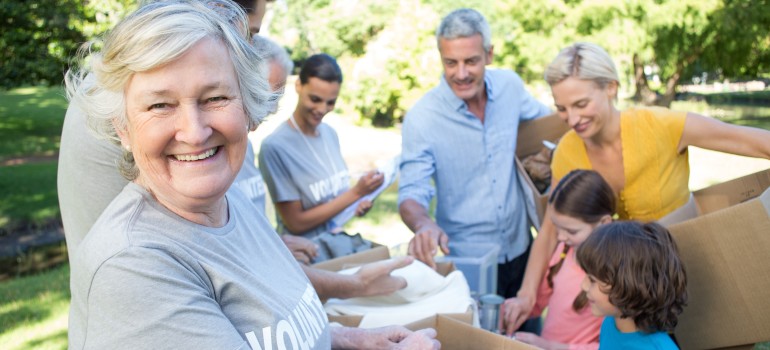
(193, 157)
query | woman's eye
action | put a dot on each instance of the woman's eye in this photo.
(158, 106)
(217, 99)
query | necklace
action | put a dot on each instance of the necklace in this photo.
(333, 170)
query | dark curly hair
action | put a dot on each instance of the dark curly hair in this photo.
(582, 194)
(640, 262)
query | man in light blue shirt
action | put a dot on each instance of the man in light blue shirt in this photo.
(462, 136)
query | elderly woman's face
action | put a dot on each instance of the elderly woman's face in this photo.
(187, 128)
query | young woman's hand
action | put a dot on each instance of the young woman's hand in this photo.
(369, 183)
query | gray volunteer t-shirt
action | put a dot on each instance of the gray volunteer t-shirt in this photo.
(309, 169)
(144, 278)
(249, 180)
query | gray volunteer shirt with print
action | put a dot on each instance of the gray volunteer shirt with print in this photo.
(307, 169)
(249, 180)
(144, 278)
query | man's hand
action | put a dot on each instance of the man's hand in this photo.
(375, 278)
(425, 243)
(515, 311)
(390, 337)
(303, 249)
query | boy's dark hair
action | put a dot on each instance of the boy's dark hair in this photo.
(582, 194)
(641, 264)
(321, 66)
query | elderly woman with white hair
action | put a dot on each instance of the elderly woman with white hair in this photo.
(178, 260)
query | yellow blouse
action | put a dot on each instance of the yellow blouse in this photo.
(656, 176)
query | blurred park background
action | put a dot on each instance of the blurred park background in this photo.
(707, 56)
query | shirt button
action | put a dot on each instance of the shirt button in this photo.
(499, 207)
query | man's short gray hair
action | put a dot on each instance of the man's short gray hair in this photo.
(463, 23)
(272, 52)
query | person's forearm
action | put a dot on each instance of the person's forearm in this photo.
(329, 284)
(299, 221)
(414, 215)
(345, 338)
(542, 249)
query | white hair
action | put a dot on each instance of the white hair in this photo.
(155, 34)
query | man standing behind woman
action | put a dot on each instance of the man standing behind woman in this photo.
(301, 160)
(641, 152)
(461, 136)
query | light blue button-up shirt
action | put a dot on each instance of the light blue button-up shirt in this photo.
(471, 164)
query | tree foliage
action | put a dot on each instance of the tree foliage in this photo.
(36, 42)
(388, 51)
(39, 37)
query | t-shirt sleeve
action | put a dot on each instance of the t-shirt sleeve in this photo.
(276, 174)
(143, 298)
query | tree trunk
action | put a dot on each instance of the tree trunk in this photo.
(670, 93)
(643, 93)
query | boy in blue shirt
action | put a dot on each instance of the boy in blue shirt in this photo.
(635, 278)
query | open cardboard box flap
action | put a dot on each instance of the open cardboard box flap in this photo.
(456, 335)
(529, 141)
(726, 252)
(377, 253)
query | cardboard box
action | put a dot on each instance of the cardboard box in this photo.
(726, 252)
(530, 141)
(456, 335)
(376, 254)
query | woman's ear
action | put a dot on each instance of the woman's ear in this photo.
(605, 220)
(122, 135)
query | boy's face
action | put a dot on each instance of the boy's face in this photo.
(596, 292)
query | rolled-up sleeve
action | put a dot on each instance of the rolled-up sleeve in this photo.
(417, 164)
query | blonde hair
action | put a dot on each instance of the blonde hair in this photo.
(585, 61)
(155, 34)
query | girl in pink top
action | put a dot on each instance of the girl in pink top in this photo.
(581, 201)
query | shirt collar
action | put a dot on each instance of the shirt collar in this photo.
(449, 95)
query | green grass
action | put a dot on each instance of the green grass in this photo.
(29, 195)
(30, 121)
(34, 311)
(30, 126)
(747, 115)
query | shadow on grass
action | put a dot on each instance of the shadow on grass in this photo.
(56, 340)
(28, 301)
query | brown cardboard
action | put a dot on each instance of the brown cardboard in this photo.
(456, 335)
(377, 253)
(530, 141)
(726, 252)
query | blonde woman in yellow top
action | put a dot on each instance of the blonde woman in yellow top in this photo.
(641, 152)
